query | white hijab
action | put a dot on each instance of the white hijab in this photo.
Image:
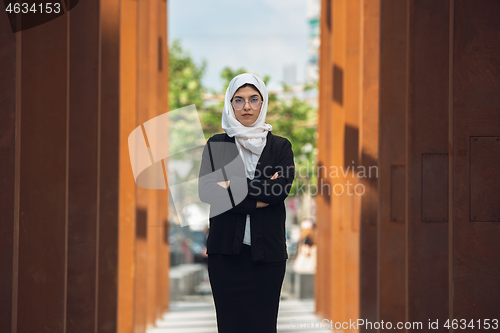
(252, 139)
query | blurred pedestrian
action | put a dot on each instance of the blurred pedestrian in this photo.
(306, 257)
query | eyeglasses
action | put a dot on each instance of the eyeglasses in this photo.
(239, 103)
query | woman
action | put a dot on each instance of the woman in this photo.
(245, 176)
(305, 262)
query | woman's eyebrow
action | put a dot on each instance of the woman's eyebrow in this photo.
(243, 98)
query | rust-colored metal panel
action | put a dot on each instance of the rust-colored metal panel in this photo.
(109, 145)
(476, 104)
(336, 152)
(427, 115)
(42, 218)
(327, 163)
(435, 187)
(127, 201)
(484, 179)
(140, 305)
(475, 29)
(67, 176)
(153, 205)
(351, 211)
(338, 84)
(141, 223)
(152, 260)
(82, 168)
(369, 138)
(398, 193)
(323, 217)
(162, 299)
(392, 151)
(142, 195)
(8, 120)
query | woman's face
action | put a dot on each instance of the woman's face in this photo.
(247, 116)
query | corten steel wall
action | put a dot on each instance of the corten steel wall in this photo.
(323, 273)
(127, 207)
(348, 139)
(392, 162)
(427, 161)
(369, 154)
(9, 163)
(144, 251)
(338, 238)
(350, 204)
(163, 257)
(68, 202)
(411, 87)
(475, 157)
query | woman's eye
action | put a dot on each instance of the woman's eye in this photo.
(238, 100)
(254, 100)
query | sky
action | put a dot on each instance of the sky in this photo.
(262, 36)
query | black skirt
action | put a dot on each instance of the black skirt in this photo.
(246, 293)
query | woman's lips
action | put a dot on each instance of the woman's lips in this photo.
(247, 115)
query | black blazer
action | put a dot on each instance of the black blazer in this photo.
(229, 207)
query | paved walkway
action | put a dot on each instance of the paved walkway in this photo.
(197, 315)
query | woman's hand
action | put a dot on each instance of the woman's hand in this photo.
(224, 184)
(261, 204)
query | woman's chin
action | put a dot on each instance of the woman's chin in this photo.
(247, 122)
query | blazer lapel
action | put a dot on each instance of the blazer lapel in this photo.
(264, 157)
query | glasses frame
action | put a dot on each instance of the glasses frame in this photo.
(246, 101)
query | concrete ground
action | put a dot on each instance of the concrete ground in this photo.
(196, 314)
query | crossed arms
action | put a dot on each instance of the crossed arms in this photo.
(232, 191)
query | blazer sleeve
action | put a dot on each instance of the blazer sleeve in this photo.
(276, 190)
(215, 195)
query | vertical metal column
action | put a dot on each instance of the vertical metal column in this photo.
(109, 170)
(83, 166)
(323, 218)
(351, 201)
(337, 126)
(392, 162)
(163, 258)
(427, 161)
(475, 150)
(9, 117)
(43, 184)
(369, 151)
(127, 187)
(143, 234)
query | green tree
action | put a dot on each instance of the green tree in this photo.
(185, 88)
(228, 74)
(290, 117)
(295, 120)
(185, 78)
